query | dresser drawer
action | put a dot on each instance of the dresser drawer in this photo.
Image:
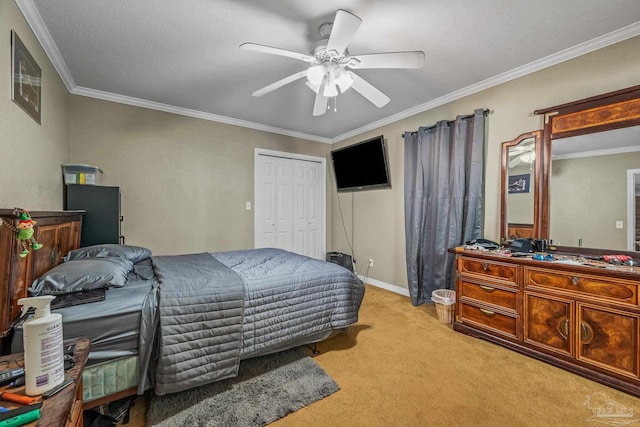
(488, 294)
(617, 290)
(506, 273)
(487, 318)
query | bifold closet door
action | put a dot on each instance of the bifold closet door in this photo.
(288, 206)
(307, 208)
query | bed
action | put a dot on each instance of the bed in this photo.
(170, 323)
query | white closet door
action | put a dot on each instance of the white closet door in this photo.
(265, 202)
(314, 217)
(284, 204)
(289, 205)
(299, 207)
(307, 208)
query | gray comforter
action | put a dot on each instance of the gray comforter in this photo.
(216, 309)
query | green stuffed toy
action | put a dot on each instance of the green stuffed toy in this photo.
(24, 231)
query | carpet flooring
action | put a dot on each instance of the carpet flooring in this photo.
(267, 388)
(400, 367)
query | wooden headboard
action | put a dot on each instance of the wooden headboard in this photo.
(57, 231)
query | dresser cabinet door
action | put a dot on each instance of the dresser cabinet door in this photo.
(549, 323)
(15, 270)
(56, 241)
(608, 339)
(47, 256)
(68, 238)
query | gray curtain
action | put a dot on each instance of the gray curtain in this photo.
(443, 199)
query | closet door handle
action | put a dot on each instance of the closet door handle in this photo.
(53, 256)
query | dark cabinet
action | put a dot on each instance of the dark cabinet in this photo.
(101, 223)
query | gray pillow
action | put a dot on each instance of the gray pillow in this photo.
(131, 253)
(82, 274)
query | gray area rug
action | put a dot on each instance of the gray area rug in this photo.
(267, 388)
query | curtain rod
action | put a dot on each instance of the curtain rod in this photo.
(485, 112)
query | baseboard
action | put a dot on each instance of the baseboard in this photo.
(387, 286)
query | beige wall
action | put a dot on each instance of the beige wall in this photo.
(183, 181)
(589, 211)
(31, 154)
(379, 215)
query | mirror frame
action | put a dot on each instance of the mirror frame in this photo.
(504, 234)
(612, 110)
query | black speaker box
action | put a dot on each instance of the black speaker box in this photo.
(340, 259)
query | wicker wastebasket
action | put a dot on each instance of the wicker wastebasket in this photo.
(444, 300)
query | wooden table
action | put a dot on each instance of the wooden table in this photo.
(65, 408)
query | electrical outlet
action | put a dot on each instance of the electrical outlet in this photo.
(370, 262)
(619, 224)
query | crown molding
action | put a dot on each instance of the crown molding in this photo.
(33, 18)
(613, 37)
(593, 153)
(137, 102)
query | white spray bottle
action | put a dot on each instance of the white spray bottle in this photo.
(43, 348)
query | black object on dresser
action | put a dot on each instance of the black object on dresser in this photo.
(101, 223)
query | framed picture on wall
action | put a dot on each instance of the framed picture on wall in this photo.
(26, 79)
(519, 183)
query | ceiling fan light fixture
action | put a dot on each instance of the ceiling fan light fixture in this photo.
(315, 75)
(330, 90)
(344, 81)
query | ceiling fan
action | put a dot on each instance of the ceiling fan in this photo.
(328, 73)
(521, 155)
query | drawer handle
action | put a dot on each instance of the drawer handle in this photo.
(487, 312)
(487, 288)
(485, 266)
(575, 280)
(563, 328)
(586, 333)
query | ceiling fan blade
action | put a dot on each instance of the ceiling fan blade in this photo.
(277, 51)
(344, 28)
(280, 83)
(320, 104)
(414, 59)
(365, 89)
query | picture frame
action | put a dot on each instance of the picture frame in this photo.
(519, 183)
(26, 79)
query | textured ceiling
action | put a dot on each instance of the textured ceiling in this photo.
(183, 56)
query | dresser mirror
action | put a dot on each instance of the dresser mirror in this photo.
(520, 187)
(591, 171)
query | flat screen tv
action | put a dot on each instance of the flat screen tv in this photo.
(362, 166)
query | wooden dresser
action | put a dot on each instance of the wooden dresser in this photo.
(57, 231)
(583, 318)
